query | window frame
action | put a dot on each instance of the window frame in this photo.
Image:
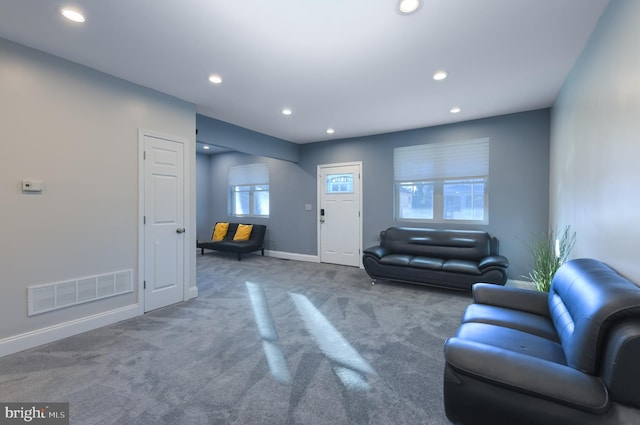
(438, 201)
(423, 160)
(253, 177)
(253, 188)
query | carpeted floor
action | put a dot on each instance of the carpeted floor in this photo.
(267, 341)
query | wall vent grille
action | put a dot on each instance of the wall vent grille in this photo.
(53, 296)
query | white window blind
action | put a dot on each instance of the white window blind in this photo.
(442, 160)
(252, 174)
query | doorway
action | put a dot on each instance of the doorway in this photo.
(339, 212)
(163, 235)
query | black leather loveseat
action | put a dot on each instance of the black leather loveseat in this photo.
(254, 243)
(448, 258)
(570, 357)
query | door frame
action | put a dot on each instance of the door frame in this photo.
(189, 224)
(320, 187)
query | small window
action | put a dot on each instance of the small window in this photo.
(339, 183)
(464, 199)
(415, 200)
(442, 182)
(249, 190)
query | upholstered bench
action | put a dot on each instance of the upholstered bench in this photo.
(235, 237)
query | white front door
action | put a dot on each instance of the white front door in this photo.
(339, 189)
(164, 236)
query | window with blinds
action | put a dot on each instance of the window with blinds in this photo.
(442, 182)
(249, 190)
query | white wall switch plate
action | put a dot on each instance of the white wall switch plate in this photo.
(31, 186)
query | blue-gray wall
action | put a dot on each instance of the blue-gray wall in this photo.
(220, 133)
(595, 144)
(203, 197)
(518, 176)
(519, 183)
(76, 129)
(287, 226)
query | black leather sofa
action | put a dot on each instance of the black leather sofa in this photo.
(255, 242)
(448, 258)
(570, 357)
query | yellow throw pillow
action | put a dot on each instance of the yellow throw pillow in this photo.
(243, 232)
(220, 231)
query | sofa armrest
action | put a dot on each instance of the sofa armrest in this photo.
(493, 260)
(514, 298)
(620, 363)
(377, 251)
(528, 375)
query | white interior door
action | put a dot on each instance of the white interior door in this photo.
(339, 189)
(164, 236)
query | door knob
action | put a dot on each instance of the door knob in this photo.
(180, 230)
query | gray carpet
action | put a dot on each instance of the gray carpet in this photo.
(301, 343)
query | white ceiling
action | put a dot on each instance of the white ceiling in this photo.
(357, 66)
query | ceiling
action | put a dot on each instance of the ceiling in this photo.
(357, 66)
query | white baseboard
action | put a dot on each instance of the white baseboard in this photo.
(49, 334)
(286, 255)
(521, 284)
(292, 256)
(297, 257)
(193, 292)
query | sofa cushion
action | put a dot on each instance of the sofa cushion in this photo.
(461, 266)
(510, 318)
(233, 227)
(243, 233)
(513, 340)
(472, 245)
(512, 298)
(485, 384)
(396, 260)
(220, 231)
(427, 263)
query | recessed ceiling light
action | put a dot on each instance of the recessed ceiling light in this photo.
(440, 75)
(73, 15)
(215, 78)
(206, 147)
(330, 131)
(408, 6)
(455, 110)
(286, 111)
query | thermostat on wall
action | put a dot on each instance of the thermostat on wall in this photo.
(31, 186)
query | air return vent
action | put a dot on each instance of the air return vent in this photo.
(53, 296)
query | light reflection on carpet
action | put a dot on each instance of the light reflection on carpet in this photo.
(349, 366)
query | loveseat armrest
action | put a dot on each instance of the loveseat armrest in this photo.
(620, 370)
(527, 374)
(514, 298)
(493, 260)
(377, 251)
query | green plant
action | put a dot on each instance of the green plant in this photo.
(549, 253)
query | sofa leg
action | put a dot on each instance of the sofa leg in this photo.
(202, 253)
(263, 252)
(239, 256)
